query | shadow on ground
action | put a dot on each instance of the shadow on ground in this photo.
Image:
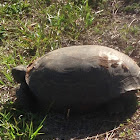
(105, 118)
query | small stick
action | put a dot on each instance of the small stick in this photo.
(132, 22)
(68, 114)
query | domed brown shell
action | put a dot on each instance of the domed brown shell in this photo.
(81, 77)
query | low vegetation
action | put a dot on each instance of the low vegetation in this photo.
(31, 28)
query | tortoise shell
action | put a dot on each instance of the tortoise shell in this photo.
(81, 77)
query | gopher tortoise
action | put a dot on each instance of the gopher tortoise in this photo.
(79, 78)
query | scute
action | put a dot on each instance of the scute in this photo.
(82, 77)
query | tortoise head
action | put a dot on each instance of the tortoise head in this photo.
(19, 73)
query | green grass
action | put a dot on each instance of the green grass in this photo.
(30, 28)
(15, 124)
(132, 8)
